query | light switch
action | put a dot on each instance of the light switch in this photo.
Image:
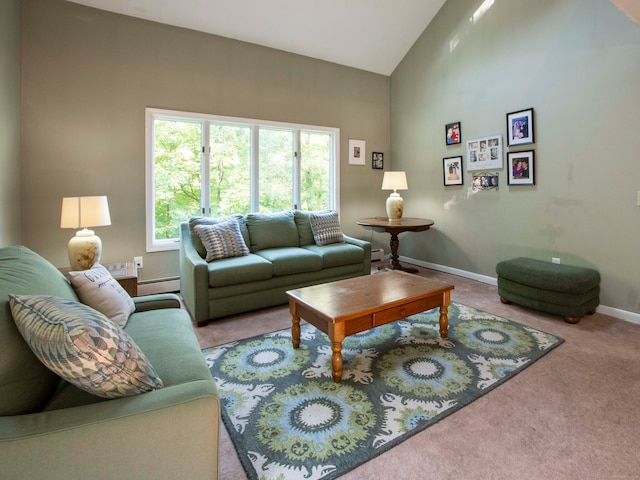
(639, 199)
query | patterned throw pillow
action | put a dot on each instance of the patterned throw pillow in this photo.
(222, 240)
(98, 289)
(326, 227)
(83, 346)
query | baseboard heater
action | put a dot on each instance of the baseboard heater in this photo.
(377, 254)
(159, 285)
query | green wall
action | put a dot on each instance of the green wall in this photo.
(10, 205)
(577, 63)
(88, 76)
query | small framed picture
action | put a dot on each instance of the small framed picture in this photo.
(452, 170)
(453, 133)
(357, 152)
(520, 127)
(521, 168)
(377, 160)
(485, 181)
(484, 153)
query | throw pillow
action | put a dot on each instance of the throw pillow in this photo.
(98, 289)
(272, 230)
(83, 346)
(222, 240)
(195, 239)
(326, 227)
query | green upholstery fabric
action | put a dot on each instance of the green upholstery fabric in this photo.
(25, 383)
(305, 234)
(172, 432)
(549, 276)
(287, 261)
(232, 271)
(233, 285)
(565, 290)
(272, 230)
(338, 254)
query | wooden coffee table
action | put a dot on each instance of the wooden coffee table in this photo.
(351, 306)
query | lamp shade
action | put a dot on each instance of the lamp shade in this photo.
(82, 212)
(394, 181)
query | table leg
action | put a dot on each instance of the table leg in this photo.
(295, 326)
(336, 361)
(444, 319)
(395, 262)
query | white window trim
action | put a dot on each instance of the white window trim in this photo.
(153, 245)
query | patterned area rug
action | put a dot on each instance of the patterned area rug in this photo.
(289, 420)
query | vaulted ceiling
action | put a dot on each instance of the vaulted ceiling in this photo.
(372, 35)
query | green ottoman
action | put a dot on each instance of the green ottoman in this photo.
(565, 290)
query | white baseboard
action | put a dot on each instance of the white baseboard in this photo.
(612, 312)
(161, 285)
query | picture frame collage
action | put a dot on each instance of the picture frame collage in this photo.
(486, 153)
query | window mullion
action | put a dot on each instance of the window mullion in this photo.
(297, 159)
(255, 169)
(205, 169)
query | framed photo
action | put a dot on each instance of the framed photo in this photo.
(453, 133)
(452, 170)
(485, 181)
(377, 160)
(520, 127)
(357, 152)
(521, 168)
(484, 153)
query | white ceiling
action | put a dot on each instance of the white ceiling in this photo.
(372, 35)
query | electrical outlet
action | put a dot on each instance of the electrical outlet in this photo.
(555, 259)
(138, 261)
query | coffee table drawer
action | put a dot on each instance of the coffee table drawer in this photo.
(399, 312)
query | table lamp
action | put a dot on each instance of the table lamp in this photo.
(395, 204)
(85, 248)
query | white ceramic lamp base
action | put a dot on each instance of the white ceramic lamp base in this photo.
(395, 207)
(85, 250)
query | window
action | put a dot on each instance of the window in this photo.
(210, 165)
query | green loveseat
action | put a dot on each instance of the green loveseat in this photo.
(283, 255)
(50, 429)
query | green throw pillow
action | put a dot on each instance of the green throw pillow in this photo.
(83, 346)
(272, 230)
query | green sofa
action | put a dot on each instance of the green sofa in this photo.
(51, 429)
(283, 255)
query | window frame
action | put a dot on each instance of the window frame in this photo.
(152, 114)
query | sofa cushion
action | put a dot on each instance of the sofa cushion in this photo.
(305, 235)
(338, 254)
(83, 346)
(25, 383)
(222, 240)
(195, 238)
(291, 260)
(232, 271)
(326, 227)
(271, 230)
(98, 289)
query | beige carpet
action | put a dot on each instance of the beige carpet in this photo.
(574, 414)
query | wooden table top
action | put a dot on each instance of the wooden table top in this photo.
(354, 297)
(405, 224)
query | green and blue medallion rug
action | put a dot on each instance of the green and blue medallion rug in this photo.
(289, 420)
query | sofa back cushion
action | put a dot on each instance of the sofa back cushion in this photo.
(25, 383)
(271, 230)
(303, 223)
(197, 241)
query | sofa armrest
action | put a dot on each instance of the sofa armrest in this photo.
(118, 438)
(366, 246)
(156, 302)
(194, 277)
